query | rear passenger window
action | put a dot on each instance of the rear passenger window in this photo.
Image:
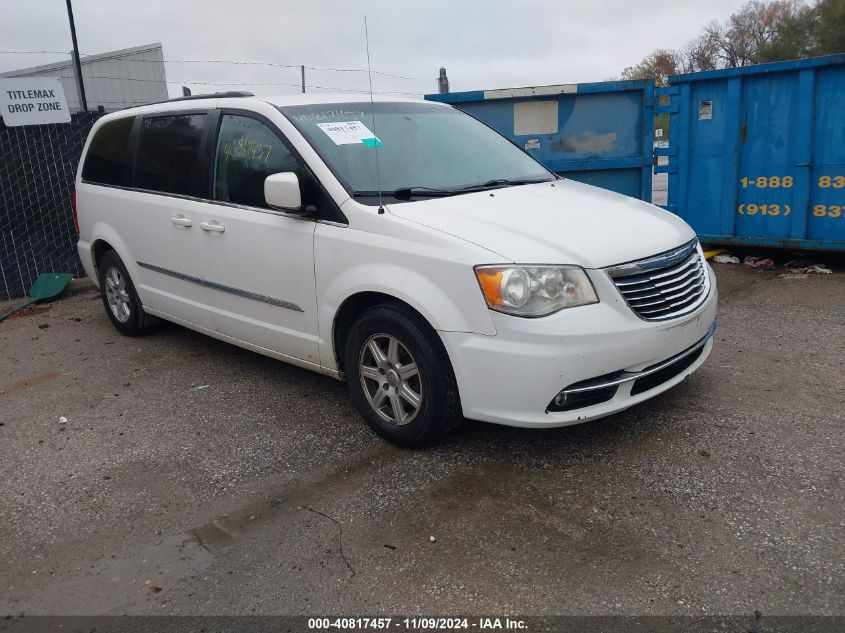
(108, 154)
(247, 152)
(169, 152)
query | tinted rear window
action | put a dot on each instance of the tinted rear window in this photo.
(108, 155)
(168, 154)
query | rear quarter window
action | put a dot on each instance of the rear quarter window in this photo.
(107, 160)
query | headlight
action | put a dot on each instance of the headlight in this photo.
(534, 291)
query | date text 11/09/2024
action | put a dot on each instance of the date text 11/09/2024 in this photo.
(417, 623)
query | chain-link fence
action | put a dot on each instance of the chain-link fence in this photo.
(37, 169)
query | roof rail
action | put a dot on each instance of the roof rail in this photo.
(211, 95)
(216, 95)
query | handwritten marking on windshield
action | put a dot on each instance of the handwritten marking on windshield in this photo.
(311, 117)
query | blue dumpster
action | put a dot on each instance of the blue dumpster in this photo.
(757, 154)
(598, 133)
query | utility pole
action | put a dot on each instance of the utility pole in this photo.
(80, 87)
(303, 76)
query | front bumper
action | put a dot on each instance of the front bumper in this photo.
(512, 378)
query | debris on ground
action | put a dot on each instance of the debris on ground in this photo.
(759, 263)
(46, 286)
(803, 268)
(43, 326)
(820, 269)
(154, 589)
(62, 419)
(432, 539)
(798, 263)
(199, 387)
(726, 258)
(713, 253)
(30, 311)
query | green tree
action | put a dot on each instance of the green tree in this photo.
(831, 31)
(815, 30)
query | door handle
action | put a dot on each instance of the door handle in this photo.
(213, 225)
(181, 220)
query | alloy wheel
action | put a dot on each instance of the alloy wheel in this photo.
(117, 295)
(390, 378)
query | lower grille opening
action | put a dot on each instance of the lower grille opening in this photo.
(592, 391)
(667, 373)
(583, 399)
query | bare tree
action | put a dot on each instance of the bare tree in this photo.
(700, 54)
(722, 45)
(658, 66)
(754, 25)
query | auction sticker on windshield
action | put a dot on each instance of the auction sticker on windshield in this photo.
(349, 132)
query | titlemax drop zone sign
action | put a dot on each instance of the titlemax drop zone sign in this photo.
(33, 101)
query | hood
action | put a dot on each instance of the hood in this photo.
(568, 223)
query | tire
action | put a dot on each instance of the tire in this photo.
(123, 307)
(389, 379)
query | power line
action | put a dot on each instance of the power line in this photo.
(237, 63)
(244, 83)
(375, 92)
(211, 61)
(34, 53)
(363, 70)
(229, 61)
(241, 83)
(189, 81)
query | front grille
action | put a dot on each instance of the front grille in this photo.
(664, 286)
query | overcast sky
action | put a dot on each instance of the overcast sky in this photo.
(482, 43)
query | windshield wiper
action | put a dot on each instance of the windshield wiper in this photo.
(499, 182)
(406, 193)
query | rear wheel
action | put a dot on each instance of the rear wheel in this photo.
(400, 377)
(120, 300)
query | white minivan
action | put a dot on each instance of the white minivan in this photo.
(398, 244)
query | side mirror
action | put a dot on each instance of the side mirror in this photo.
(281, 191)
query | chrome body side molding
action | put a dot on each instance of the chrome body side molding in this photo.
(289, 305)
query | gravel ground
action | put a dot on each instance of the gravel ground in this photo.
(176, 474)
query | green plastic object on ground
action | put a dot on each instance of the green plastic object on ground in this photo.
(47, 286)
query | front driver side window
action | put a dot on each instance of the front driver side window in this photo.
(247, 152)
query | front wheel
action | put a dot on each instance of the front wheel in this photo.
(400, 377)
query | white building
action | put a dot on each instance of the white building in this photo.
(114, 80)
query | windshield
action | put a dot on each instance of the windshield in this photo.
(432, 147)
